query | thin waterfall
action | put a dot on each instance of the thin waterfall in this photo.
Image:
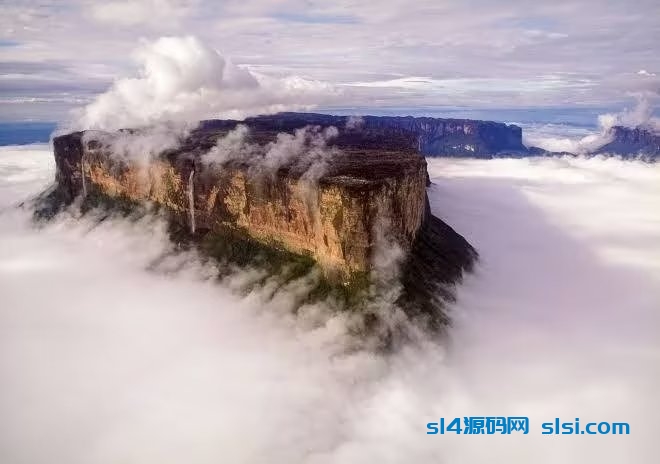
(82, 174)
(191, 201)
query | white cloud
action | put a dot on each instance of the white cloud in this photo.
(306, 150)
(104, 361)
(182, 79)
(641, 115)
(583, 145)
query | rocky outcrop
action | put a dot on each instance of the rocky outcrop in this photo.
(637, 141)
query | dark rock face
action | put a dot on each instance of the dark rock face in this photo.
(632, 142)
(438, 258)
(455, 137)
(68, 153)
(429, 136)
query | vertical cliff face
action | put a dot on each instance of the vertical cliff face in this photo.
(333, 219)
(455, 137)
(68, 166)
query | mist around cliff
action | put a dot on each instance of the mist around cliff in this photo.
(143, 145)
(640, 115)
(306, 150)
(112, 348)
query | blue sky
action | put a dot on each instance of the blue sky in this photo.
(473, 54)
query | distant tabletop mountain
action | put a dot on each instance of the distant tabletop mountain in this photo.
(429, 136)
(627, 142)
(632, 142)
(446, 137)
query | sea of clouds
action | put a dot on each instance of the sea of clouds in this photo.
(115, 349)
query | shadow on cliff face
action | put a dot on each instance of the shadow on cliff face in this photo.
(103, 362)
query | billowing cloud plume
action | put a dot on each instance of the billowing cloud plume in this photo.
(547, 140)
(641, 115)
(306, 150)
(141, 145)
(182, 79)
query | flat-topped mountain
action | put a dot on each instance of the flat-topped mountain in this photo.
(429, 136)
(445, 137)
(340, 199)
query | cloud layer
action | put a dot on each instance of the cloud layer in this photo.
(112, 351)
